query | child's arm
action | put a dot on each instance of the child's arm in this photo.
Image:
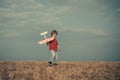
(46, 40)
(49, 39)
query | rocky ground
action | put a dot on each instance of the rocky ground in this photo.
(63, 71)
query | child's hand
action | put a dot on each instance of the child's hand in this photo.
(59, 49)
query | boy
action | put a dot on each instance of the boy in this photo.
(53, 47)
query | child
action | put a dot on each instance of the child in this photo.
(53, 47)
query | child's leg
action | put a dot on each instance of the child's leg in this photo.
(52, 58)
(56, 57)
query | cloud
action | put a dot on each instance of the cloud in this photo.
(34, 14)
(118, 10)
(59, 9)
(24, 4)
(17, 14)
(9, 33)
(3, 10)
(85, 30)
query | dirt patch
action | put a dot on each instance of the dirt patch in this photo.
(63, 71)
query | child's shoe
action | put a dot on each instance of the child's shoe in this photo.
(50, 63)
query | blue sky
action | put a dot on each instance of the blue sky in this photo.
(88, 29)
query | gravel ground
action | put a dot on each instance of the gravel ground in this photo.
(35, 70)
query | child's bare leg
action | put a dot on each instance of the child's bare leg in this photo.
(52, 58)
(56, 57)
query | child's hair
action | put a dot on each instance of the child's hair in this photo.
(54, 32)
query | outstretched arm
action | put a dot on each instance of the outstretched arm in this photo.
(50, 39)
(46, 40)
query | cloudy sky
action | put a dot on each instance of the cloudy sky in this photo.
(89, 30)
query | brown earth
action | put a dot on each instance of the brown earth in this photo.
(33, 70)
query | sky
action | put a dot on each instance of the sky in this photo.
(89, 30)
